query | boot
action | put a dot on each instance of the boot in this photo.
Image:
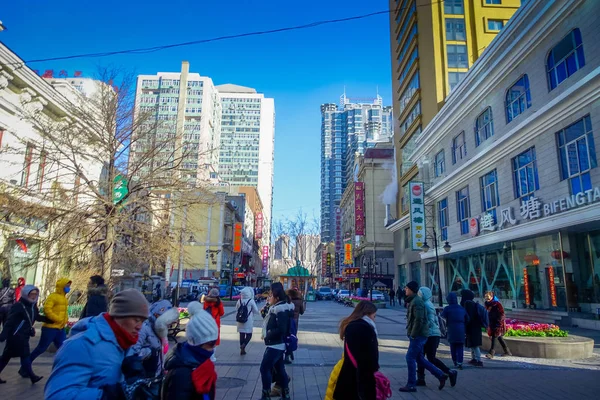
(243, 350)
(276, 391)
(506, 350)
(285, 395)
(35, 378)
(2, 381)
(265, 395)
(421, 382)
(287, 359)
(490, 355)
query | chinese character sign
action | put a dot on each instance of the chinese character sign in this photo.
(328, 264)
(526, 284)
(552, 286)
(417, 214)
(237, 237)
(338, 230)
(258, 229)
(265, 259)
(323, 263)
(348, 253)
(359, 208)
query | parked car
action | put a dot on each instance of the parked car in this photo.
(377, 295)
(324, 293)
(335, 292)
(343, 293)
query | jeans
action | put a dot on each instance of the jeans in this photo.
(457, 350)
(273, 358)
(245, 338)
(49, 335)
(430, 350)
(476, 353)
(414, 356)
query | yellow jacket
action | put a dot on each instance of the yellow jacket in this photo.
(56, 306)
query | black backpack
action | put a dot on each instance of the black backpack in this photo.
(242, 312)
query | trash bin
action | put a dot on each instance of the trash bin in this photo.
(310, 296)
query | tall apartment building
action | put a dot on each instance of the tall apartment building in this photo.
(433, 44)
(194, 112)
(282, 247)
(246, 152)
(346, 130)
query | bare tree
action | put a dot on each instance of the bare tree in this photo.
(112, 181)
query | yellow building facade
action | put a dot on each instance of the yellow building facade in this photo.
(433, 44)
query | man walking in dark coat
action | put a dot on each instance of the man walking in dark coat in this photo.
(392, 297)
(417, 329)
(97, 302)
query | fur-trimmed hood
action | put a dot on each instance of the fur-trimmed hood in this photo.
(281, 307)
(101, 290)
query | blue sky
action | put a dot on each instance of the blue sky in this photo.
(300, 69)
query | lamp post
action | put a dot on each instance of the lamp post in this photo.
(230, 268)
(447, 248)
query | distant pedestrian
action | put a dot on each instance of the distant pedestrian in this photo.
(417, 328)
(174, 299)
(57, 310)
(20, 285)
(18, 329)
(249, 309)
(296, 299)
(97, 298)
(356, 379)
(214, 306)
(7, 299)
(476, 322)
(190, 372)
(456, 322)
(400, 295)
(152, 338)
(433, 341)
(497, 324)
(276, 327)
(392, 297)
(88, 366)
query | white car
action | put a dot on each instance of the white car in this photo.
(343, 293)
(377, 295)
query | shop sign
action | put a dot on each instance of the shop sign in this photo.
(526, 284)
(507, 217)
(338, 230)
(417, 214)
(351, 272)
(533, 208)
(473, 227)
(259, 226)
(348, 253)
(487, 222)
(328, 264)
(265, 259)
(237, 237)
(359, 208)
(323, 263)
(552, 286)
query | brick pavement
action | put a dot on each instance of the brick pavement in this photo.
(320, 348)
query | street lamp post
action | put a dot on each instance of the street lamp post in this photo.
(447, 248)
(230, 268)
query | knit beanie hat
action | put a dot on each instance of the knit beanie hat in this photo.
(202, 327)
(413, 286)
(129, 303)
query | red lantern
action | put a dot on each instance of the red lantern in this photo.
(558, 254)
(531, 259)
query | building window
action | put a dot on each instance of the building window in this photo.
(518, 98)
(463, 209)
(489, 193)
(41, 169)
(440, 163)
(495, 25)
(457, 56)
(409, 92)
(407, 238)
(454, 78)
(493, 1)
(455, 29)
(565, 58)
(577, 154)
(459, 147)
(454, 7)
(27, 165)
(443, 218)
(484, 126)
(525, 174)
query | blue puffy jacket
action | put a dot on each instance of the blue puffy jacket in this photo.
(432, 319)
(456, 319)
(87, 361)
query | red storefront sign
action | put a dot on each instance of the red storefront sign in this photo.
(237, 237)
(359, 208)
(526, 284)
(258, 228)
(552, 286)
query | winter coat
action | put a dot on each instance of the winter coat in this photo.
(353, 383)
(7, 299)
(416, 317)
(97, 301)
(90, 359)
(56, 307)
(247, 299)
(149, 346)
(298, 309)
(497, 322)
(456, 319)
(276, 325)
(473, 332)
(432, 318)
(18, 328)
(180, 364)
(216, 309)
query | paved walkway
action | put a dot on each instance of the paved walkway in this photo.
(320, 348)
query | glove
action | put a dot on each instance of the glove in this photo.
(113, 392)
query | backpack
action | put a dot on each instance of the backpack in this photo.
(442, 325)
(482, 313)
(291, 340)
(242, 312)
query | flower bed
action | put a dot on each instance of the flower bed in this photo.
(527, 329)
